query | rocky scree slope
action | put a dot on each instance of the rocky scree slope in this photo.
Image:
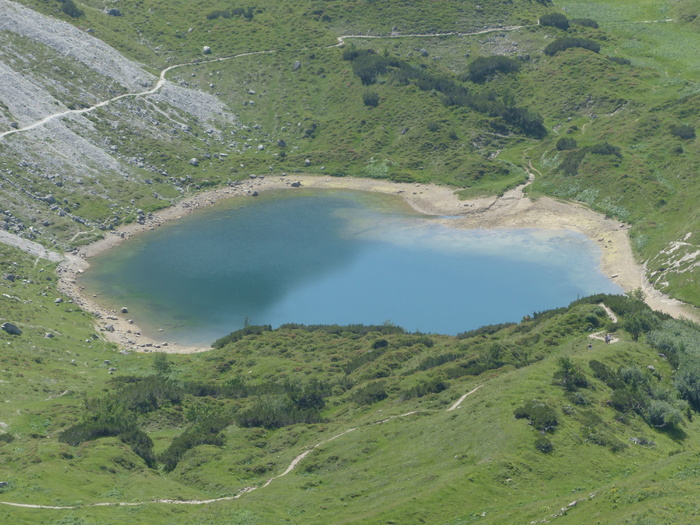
(61, 178)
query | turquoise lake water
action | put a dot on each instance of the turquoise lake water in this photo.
(336, 257)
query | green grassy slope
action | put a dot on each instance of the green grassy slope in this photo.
(397, 455)
(386, 447)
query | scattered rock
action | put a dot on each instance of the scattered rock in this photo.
(124, 310)
(281, 143)
(296, 65)
(48, 335)
(261, 147)
(206, 50)
(58, 300)
(296, 184)
(307, 162)
(9, 277)
(113, 11)
(11, 329)
(194, 162)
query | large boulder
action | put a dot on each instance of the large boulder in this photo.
(11, 329)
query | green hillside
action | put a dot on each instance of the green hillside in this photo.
(598, 99)
(547, 420)
(423, 108)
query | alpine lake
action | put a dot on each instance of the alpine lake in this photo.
(336, 257)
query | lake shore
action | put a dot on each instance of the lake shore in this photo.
(514, 210)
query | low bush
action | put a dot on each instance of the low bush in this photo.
(72, 10)
(620, 60)
(604, 148)
(370, 98)
(541, 416)
(557, 20)
(437, 360)
(485, 330)
(566, 143)
(213, 15)
(424, 388)
(482, 69)
(683, 131)
(240, 334)
(544, 445)
(370, 394)
(561, 44)
(585, 22)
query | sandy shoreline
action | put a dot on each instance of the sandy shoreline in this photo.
(511, 211)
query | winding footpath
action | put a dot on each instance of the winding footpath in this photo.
(161, 80)
(240, 492)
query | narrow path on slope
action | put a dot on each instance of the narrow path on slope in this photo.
(608, 338)
(240, 492)
(161, 80)
(159, 84)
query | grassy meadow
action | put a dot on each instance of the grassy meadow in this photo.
(562, 426)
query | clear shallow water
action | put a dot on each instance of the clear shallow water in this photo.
(325, 257)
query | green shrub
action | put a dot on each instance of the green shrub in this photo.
(213, 15)
(354, 329)
(240, 334)
(541, 416)
(276, 413)
(606, 374)
(485, 330)
(640, 322)
(604, 148)
(561, 44)
(141, 444)
(585, 22)
(424, 388)
(482, 69)
(569, 375)
(544, 445)
(437, 360)
(364, 358)
(572, 161)
(662, 414)
(72, 10)
(626, 400)
(370, 98)
(683, 131)
(186, 441)
(555, 20)
(620, 60)
(566, 143)
(370, 394)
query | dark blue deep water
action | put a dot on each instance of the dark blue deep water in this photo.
(337, 257)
